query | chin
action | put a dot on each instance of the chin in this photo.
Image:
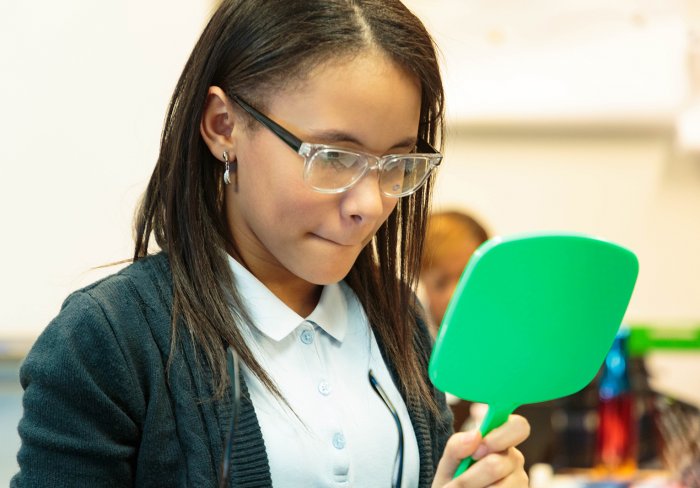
(319, 275)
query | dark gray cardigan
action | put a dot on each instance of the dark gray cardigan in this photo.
(100, 411)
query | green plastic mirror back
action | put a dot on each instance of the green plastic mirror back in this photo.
(532, 319)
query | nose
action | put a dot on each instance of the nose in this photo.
(364, 201)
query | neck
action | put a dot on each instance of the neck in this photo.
(298, 294)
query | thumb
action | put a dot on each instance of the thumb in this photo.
(458, 447)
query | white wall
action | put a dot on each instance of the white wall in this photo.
(635, 189)
(83, 91)
(563, 62)
(563, 117)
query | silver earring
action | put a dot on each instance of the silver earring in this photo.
(227, 175)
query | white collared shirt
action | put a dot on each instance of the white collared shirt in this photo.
(344, 434)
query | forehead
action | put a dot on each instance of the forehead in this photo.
(367, 96)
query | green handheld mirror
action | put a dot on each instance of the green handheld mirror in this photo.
(532, 319)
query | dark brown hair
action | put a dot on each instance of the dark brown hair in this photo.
(252, 48)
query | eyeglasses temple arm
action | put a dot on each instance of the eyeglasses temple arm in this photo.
(422, 146)
(290, 139)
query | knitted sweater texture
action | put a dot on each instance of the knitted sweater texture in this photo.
(100, 410)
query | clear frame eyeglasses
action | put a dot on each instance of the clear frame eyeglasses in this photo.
(331, 169)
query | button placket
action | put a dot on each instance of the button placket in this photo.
(312, 337)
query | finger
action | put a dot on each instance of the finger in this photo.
(510, 434)
(517, 479)
(477, 411)
(501, 467)
(458, 447)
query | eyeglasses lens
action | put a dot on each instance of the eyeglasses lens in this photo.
(336, 170)
(403, 175)
(333, 169)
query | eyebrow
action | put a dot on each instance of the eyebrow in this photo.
(334, 136)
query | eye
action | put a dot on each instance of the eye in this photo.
(339, 160)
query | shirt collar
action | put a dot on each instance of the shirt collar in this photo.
(276, 320)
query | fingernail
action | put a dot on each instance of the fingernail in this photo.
(482, 451)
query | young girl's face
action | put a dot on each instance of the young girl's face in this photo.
(285, 230)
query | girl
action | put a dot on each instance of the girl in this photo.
(289, 202)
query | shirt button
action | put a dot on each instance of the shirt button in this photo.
(324, 388)
(307, 337)
(338, 441)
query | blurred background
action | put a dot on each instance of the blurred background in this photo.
(570, 115)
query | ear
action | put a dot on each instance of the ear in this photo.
(217, 123)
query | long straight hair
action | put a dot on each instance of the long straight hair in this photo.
(252, 48)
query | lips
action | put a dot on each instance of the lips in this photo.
(334, 241)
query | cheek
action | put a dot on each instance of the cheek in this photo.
(389, 204)
(277, 207)
(271, 184)
(276, 213)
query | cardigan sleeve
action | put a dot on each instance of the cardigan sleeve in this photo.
(442, 422)
(443, 426)
(82, 404)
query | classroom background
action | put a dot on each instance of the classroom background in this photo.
(568, 115)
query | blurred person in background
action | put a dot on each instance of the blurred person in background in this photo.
(450, 240)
